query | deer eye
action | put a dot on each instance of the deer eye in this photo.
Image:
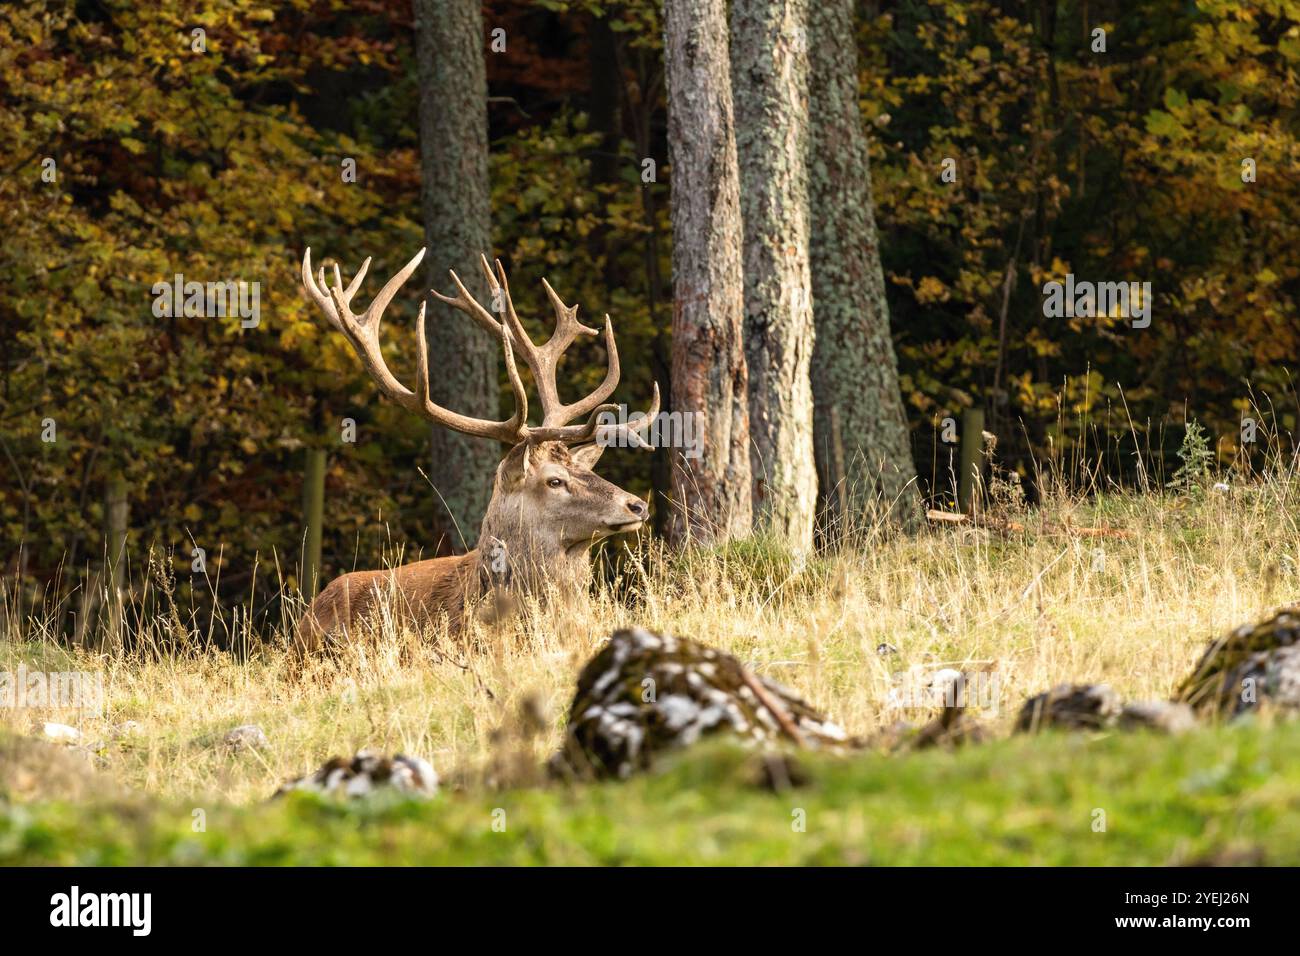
(555, 483)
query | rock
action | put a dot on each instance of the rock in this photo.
(60, 733)
(367, 773)
(1274, 678)
(1169, 717)
(1070, 707)
(1252, 665)
(246, 737)
(1270, 678)
(645, 694)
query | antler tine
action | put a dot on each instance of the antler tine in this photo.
(578, 434)
(319, 297)
(342, 301)
(376, 310)
(572, 434)
(634, 430)
(464, 302)
(520, 419)
(363, 334)
(345, 295)
(355, 284)
(499, 283)
(606, 388)
(421, 362)
(567, 327)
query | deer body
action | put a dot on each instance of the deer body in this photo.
(421, 592)
(548, 507)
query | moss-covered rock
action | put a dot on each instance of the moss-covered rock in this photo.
(1253, 665)
(1165, 716)
(1070, 707)
(368, 773)
(647, 693)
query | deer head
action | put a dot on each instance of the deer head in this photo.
(548, 507)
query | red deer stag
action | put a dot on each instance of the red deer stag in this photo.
(547, 508)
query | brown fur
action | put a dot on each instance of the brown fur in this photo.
(543, 532)
(421, 592)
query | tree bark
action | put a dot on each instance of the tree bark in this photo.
(769, 68)
(456, 207)
(855, 372)
(712, 496)
(313, 517)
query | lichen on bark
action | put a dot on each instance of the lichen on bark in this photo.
(855, 371)
(769, 60)
(711, 492)
(456, 208)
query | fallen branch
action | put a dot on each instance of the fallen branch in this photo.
(779, 712)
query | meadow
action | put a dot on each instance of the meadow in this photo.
(1124, 588)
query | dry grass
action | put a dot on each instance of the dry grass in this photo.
(1039, 606)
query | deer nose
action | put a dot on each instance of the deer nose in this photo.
(637, 507)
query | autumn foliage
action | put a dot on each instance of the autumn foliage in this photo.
(209, 139)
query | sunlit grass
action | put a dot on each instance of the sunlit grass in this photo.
(1039, 605)
(1042, 605)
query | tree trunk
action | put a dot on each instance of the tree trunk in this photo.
(313, 516)
(116, 522)
(972, 458)
(711, 489)
(455, 202)
(117, 519)
(769, 68)
(855, 371)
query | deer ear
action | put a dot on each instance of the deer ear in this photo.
(517, 464)
(586, 456)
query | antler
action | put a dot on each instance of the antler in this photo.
(542, 360)
(363, 332)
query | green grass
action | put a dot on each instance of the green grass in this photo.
(1221, 795)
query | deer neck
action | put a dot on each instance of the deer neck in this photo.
(538, 561)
